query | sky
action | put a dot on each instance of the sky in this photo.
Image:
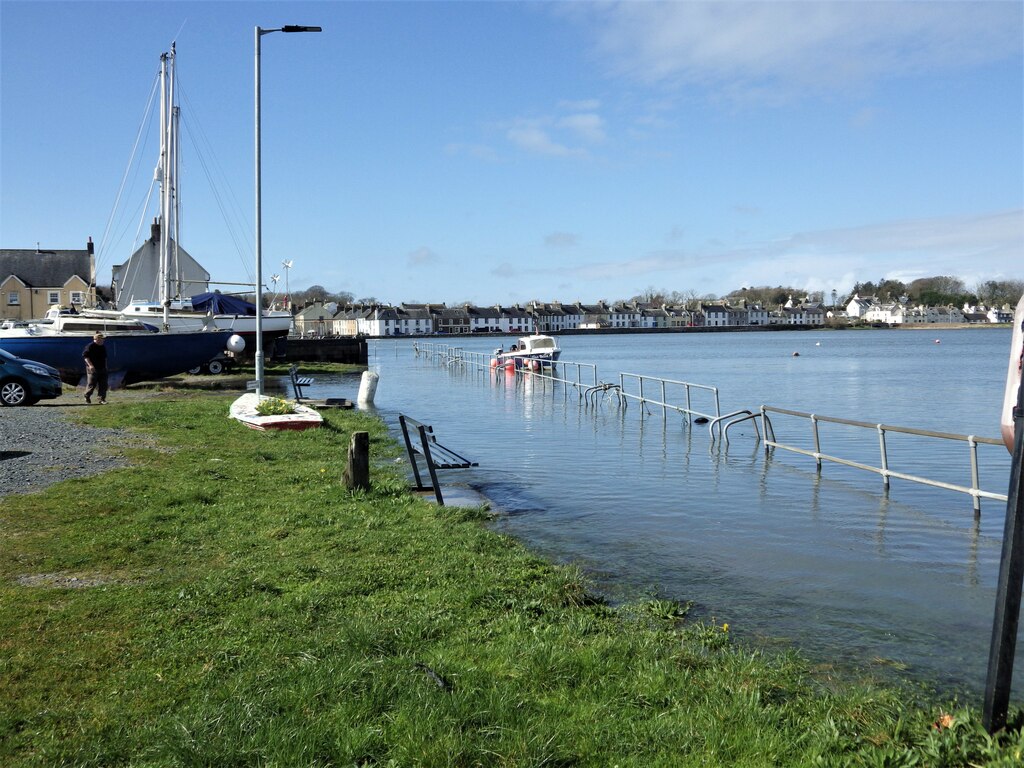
(503, 152)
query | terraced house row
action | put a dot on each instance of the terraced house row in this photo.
(319, 319)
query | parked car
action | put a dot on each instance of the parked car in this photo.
(26, 382)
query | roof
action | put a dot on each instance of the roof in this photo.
(45, 269)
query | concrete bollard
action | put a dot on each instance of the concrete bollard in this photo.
(367, 388)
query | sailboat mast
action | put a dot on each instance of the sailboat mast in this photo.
(167, 183)
(162, 176)
(176, 117)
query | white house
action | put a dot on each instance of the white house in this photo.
(858, 307)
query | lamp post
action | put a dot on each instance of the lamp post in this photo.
(259, 226)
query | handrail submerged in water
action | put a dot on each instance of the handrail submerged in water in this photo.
(974, 490)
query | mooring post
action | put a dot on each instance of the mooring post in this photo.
(1008, 589)
(357, 473)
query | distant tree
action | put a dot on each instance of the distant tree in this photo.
(865, 289)
(995, 293)
(652, 295)
(936, 291)
(321, 294)
(766, 295)
(368, 300)
(890, 290)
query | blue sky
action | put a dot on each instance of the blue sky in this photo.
(504, 152)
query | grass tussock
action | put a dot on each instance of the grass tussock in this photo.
(244, 608)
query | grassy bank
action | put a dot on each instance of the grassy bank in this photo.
(235, 605)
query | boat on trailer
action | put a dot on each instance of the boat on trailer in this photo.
(131, 355)
(530, 352)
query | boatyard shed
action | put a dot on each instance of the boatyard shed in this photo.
(34, 279)
(138, 279)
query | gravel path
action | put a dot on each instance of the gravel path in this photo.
(40, 445)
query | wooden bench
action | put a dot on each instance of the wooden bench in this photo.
(435, 455)
(301, 382)
(298, 382)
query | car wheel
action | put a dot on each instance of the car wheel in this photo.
(13, 392)
(215, 367)
(195, 371)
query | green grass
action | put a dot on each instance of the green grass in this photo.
(246, 609)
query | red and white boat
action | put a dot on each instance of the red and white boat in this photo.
(530, 352)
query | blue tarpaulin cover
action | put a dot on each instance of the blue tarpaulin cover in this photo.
(222, 304)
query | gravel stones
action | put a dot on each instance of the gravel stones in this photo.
(40, 446)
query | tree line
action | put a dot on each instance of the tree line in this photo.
(930, 291)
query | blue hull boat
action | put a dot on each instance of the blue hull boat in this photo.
(131, 357)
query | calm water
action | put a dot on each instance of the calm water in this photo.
(827, 562)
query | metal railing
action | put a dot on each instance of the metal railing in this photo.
(886, 472)
(643, 384)
(678, 396)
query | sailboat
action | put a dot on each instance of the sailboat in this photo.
(135, 351)
(169, 310)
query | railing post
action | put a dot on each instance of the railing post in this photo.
(975, 479)
(885, 457)
(664, 401)
(817, 442)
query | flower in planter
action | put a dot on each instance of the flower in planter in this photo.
(275, 406)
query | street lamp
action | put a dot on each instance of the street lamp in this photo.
(259, 226)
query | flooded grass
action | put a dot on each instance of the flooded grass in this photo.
(235, 604)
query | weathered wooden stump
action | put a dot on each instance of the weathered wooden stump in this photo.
(357, 473)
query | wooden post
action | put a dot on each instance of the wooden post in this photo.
(357, 473)
(1008, 589)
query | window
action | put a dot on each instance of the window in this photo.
(53, 297)
(13, 298)
(76, 297)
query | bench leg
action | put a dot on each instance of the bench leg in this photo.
(412, 454)
(430, 466)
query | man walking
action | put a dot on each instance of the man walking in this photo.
(95, 356)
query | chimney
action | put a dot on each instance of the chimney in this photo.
(154, 231)
(89, 247)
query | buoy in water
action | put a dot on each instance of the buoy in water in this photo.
(938, 341)
(796, 354)
(817, 343)
(535, 365)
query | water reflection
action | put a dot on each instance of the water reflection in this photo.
(828, 560)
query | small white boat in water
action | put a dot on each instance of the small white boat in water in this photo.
(532, 352)
(245, 410)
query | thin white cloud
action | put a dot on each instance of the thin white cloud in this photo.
(561, 240)
(422, 256)
(583, 105)
(586, 126)
(479, 151)
(533, 138)
(836, 258)
(775, 49)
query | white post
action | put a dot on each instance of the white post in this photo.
(259, 234)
